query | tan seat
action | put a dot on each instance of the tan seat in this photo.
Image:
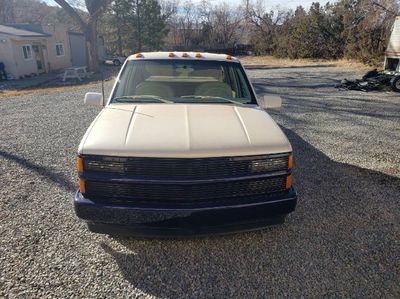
(154, 89)
(159, 69)
(214, 89)
(213, 73)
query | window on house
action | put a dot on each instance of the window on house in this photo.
(60, 49)
(27, 52)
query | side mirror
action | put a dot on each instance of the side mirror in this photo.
(93, 99)
(270, 102)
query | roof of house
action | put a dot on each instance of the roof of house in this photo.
(20, 32)
(28, 27)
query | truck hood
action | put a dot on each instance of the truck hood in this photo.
(183, 131)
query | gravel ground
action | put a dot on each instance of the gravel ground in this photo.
(343, 240)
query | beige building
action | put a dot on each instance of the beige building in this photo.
(27, 52)
(392, 54)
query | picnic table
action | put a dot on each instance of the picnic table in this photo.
(75, 72)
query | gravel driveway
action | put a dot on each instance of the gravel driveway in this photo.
(343, 240)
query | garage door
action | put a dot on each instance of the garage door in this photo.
(78, 49)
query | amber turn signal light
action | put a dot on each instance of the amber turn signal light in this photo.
(288, 181)
(79, 164)
(82, 188)
(290, 161)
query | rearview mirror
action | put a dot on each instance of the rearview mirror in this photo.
(270, 102)
(93, 99)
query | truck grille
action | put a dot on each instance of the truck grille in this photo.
(110, 192)
(188, 169)
(129, 180)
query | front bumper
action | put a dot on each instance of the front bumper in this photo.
(160, 220)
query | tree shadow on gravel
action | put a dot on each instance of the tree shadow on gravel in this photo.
(341, 241)
(57, 178)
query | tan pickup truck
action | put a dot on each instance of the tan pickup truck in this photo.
(183, 147)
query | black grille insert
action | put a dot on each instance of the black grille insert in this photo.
(190, 169)
(111, 192)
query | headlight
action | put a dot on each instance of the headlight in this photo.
(260, 166)
(270, 164)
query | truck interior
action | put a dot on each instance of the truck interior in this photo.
(181, 79)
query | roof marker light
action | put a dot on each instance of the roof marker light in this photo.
(171, 55)
(185, 55)
(229, 57)
(198, 55)
(139, 55)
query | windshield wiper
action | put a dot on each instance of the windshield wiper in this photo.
(128, 99)
(212, 98)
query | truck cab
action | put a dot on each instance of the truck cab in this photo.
(183, 147)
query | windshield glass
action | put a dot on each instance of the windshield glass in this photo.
(183, 81)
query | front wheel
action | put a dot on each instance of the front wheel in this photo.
(395, 83)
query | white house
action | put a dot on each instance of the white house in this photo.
(30, 49)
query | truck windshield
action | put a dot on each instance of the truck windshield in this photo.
(183, 81)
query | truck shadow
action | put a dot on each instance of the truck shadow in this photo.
(57, 178)
(344, 229)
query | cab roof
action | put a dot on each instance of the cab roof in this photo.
(183, 56)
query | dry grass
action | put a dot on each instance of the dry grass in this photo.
(270, 61)
(49, 90)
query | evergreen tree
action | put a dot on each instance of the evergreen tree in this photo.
(134, 25)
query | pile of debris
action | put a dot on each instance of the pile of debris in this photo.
(373, 80)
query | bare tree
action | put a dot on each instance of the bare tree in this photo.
(227, 25)
(6, 11)
(187, 23)
(89, 26)
(263, 24)
(169, 8)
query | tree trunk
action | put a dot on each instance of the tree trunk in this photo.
(139, 26)
(119, 34)
(119, 41)
(95, 8)
(92, 47)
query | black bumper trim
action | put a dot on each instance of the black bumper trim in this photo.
(142, 231)
(196, 219)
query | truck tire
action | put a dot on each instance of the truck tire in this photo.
(395, 84)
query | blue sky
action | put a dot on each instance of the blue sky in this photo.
(269, 4)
